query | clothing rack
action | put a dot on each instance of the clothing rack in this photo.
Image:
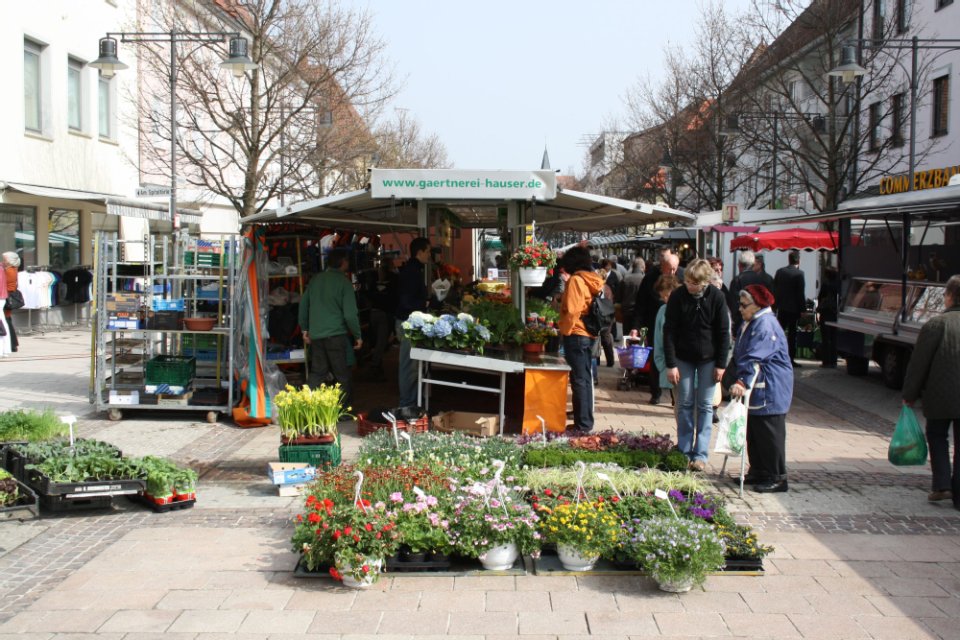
(43, 325)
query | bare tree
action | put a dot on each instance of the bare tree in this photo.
(804, 122)
(296, 125)
(678, 119)
(402, 143)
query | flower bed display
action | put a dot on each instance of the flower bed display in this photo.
(464, 501)
(458, 332)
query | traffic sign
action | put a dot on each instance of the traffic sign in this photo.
(153, 192)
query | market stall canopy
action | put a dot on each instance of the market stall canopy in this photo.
(786, 240)
(942, 203)
(473, 200)
(115, 205)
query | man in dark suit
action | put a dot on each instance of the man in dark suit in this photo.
(788, 290)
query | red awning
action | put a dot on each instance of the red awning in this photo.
(787, 239)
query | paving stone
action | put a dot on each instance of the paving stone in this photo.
(552, 622)
(421, 622)
(889, 628)
(691, 624)
(182, 599)
(774, 625)
(779, 602)
(841, 603)
(251, 599)
(583, 601)
(825, 627)
(271, 622)
(517, 601)
(453, 601)
(611, 623)
(154, 621)
(386, 601)
(200, 621)
(649, 602)
(491, 622)
(910, 587)
(323, 600)
(345, 622)
(56, 621)
(910, 607)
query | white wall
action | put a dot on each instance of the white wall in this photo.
(60, 157)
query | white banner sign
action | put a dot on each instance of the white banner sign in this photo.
(462, 184)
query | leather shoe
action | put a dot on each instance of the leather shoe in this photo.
(654, 399)
(936, 496)
(780, 486)
(749, 479)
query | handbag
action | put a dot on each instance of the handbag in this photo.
(908, 446)
(14, 299)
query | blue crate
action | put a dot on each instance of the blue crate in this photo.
(173, 304)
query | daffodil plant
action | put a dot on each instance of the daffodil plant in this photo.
(310, 412)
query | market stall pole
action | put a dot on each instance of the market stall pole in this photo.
(538, 371)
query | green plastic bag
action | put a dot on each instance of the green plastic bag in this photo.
(908, 445)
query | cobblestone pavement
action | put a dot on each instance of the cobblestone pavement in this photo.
(859, 551)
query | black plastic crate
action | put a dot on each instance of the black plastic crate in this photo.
(61, 504)
(26, 507)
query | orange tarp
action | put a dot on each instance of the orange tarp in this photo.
(544, 394)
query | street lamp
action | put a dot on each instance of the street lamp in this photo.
(237, 61)
(732, 127)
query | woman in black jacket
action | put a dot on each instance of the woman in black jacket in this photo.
(696, 339)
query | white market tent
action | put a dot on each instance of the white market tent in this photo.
(475, 199)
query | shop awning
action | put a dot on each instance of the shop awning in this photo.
(569, 211)
(726, 228)
(115, 205)
(943, 202)
(786, 240)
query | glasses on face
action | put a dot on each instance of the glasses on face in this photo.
(698, 285)
(745, 305)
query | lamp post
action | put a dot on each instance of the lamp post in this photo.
(237, 61)
(848, 71)
(732, 127)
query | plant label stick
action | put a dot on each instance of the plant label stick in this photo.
(69, 420)
(406, 436)
(660, 493)
(543, 428)
(356, 491)
(606, 478)
(393, 422)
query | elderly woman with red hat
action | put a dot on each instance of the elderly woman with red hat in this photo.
(762, 363)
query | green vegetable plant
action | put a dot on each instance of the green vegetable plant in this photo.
(500, 317)
(629, 482)
(165, 478)
(9, 492)
(29, 425)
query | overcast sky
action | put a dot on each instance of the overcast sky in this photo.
(496, 80)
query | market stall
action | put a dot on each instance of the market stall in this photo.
(438, 203)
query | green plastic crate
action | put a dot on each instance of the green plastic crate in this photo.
(177, 371)
(317, 455)
(199, 341)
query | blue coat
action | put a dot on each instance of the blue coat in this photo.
(762, 342)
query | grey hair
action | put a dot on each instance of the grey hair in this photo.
(746, 258)
(11, 258)
(953, 289)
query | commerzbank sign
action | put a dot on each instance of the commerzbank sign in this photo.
(457, 184)
(930, 179)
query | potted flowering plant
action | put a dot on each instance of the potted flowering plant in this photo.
(310, 416)
(423, 528)
(582, 531)
(494, 524)
(532, 261)
(536, 335)
(353, 539)
(678, 553)
(448, 331)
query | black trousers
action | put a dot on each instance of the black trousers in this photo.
(828, 343)
(332, 356)
(767, 446)
(578, 352)
(788, 320)
(937, 438)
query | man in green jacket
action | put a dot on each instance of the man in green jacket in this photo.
(328, 319)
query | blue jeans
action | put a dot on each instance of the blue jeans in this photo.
(578, 352)
(695, 391)
(406, 372)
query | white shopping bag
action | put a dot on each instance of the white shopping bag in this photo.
(731, 429)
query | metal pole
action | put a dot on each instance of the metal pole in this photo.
(173, 128)
(905, 218)
(773, 194)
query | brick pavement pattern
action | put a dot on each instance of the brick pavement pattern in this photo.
(859, 551)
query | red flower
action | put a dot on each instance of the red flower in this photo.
(379, 535)
(335, 574)
(365, 568)
(368, 527)
(547, 492)
(347, 531)
(337, 534)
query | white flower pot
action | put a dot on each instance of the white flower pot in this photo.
(375, 564)
(500, 558)
(532, 276)
(572, 560)
(677, 585)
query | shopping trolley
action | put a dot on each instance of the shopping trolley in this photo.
(634, 360)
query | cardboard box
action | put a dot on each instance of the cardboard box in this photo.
(290, 472)
(123, 301)
(174, 401)
(117, 397)
(474, 424)
(290, 490)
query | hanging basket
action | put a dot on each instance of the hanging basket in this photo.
(532, 276)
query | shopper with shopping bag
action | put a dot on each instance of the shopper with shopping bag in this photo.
(762, 363)
(932, 374)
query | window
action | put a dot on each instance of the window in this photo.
(903, 16)
(106, 110)
(18, 232)
(941, 104)
(896, 127)
(874, 130)
(64, 238)
(32, 112)
(74, 94)
(942, 3)
(879, 18)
